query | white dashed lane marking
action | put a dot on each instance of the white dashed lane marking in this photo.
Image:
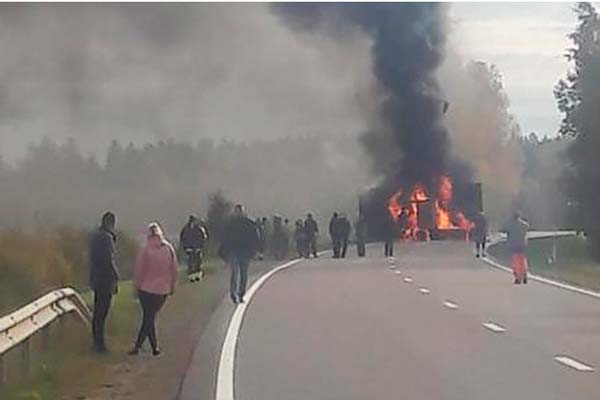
(451, 305)
(408, 279)
(572, 363)
(398, 272)
(494, 327)
(424, 290)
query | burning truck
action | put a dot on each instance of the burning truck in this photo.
(443, 211)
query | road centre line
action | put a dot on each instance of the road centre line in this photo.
(572, 363)
(451, 305)
(492, 326)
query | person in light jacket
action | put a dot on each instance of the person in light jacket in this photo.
(154, 279)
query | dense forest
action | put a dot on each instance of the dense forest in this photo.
(56, 184)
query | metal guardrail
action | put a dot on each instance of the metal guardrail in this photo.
(18, 327)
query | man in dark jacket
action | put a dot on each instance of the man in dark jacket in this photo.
(239, 245)
(479, 234)
(311, 228)
(345, 229)
(104, 277)
(334, 232)
(360, 233)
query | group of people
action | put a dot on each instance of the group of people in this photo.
(155, 271)
(155, 277)
(516, 238)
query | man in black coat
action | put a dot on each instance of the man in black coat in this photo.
(104, 277)
(238, 247)
(335, 233)
(345, 229)
(311, 228)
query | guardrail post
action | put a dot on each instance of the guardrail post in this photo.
(2, 371)
(46, 337)
(25, 357)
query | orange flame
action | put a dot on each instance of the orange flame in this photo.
(445, 218)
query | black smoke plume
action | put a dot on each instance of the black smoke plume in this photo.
(411, 144)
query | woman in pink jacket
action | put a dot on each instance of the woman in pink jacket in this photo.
(154, 278)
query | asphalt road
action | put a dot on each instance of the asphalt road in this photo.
(441, 325)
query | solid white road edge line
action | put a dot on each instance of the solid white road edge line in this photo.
(226, 368)
(545, 280)
(572, 363)
(494, 327)
(451, 305)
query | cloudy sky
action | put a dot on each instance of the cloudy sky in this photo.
(526, 41)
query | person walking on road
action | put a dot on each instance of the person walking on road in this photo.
(517, 241)
(360, 234)
(479, 234)
(345, 229)
(311, 229)
(335, 233)
(239, 245)
(104, 277)
(155, 276)
(192, 240)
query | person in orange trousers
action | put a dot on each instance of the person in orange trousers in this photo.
(517, 241)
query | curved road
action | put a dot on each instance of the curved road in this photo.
(441, 325)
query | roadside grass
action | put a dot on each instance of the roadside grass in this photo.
(573, 263)
(68, 369)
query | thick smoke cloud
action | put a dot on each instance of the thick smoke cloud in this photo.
(142, 72)
(410, 144)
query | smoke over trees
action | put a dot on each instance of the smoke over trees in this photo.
(483, 131)
(578, 97)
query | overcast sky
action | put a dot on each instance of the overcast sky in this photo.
(527, 42)
(148, 71)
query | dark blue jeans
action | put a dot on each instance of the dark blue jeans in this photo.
(239, 275)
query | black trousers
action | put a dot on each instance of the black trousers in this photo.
(312, 246)
(337, 245)
(360, 247)
(344, 247)
(389, 248)
(480, 246)
(102, 300)
(151, 305)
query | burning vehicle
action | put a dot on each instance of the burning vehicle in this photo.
(442, 213)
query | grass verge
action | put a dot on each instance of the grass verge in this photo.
(573, 263)
(68, 369)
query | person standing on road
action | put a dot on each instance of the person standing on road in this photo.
(104, 277)
(155, 276)
(240, 242)
(517, 242)
(360, 234)
(389, 235)
(479, 234)
(301, 239)
(311, 229)
(345, 229)
(334, 232)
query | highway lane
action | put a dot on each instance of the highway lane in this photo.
(356, 329)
